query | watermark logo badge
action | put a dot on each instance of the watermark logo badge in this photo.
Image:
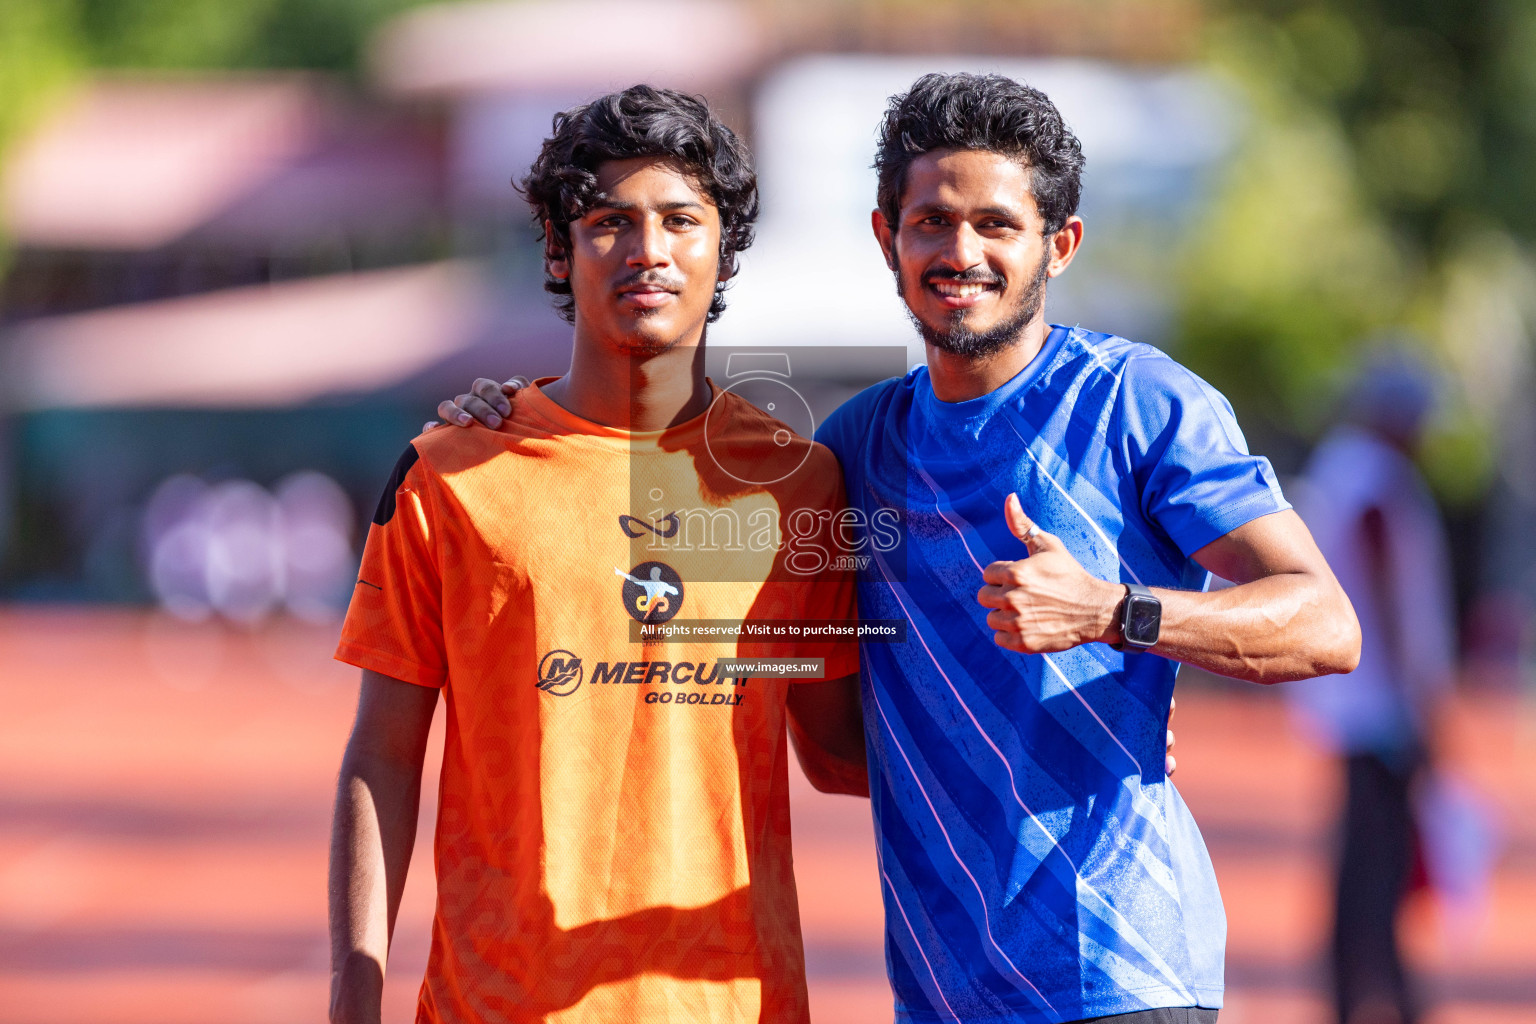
(560, 673)
(763, 379)
(762, 495)
(652, 591)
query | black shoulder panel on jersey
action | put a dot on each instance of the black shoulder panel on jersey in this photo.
(386, 510)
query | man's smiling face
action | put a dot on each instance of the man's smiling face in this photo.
(644, 260)
(969, 250)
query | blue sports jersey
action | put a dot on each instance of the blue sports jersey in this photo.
(1036, 863)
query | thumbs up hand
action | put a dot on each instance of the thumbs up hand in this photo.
(1046, 602)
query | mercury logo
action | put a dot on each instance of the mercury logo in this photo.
(560, 673)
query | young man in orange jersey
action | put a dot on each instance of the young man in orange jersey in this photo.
(612, 839)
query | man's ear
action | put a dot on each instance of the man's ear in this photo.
(1064, 245)
(556, 260)
(884, 236)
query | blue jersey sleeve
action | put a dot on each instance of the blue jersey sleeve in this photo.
(845, 429)
(1193, 472)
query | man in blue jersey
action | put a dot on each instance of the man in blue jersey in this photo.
(1065, 496)
(1036, 864)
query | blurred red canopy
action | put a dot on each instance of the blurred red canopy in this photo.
(137, 163)
(488, 46)
(264, 346)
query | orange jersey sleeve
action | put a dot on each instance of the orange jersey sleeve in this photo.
(394, 625)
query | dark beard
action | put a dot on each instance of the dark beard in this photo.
(960, 340)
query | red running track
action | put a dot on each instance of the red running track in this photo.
(165, 794)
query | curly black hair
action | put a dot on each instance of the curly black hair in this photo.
(641, 121)
(982, 112)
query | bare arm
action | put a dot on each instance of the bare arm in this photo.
(1287, 618)
(826, 728)
(372, 833)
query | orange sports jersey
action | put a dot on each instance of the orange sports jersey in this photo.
(613, 828)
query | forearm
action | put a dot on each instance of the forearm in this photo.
(826, 728)
(1278, 628)
(828, 772)
(1287, 619)
(372, 835)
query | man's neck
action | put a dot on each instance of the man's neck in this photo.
(958, 378)
(632, 391)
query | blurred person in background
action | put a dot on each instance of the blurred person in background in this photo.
(603, 852)
(1036, 864)
(1375, 520)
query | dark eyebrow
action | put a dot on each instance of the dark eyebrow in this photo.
(986, 211)
(1001, 211)
(622, 207)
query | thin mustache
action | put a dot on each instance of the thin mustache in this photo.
(651, 280)
(961, 277)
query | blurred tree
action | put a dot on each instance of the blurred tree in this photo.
(1384, 182)
(37, 56)
(45, 44)
(326, 34)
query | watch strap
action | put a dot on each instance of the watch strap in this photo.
(1119, 645)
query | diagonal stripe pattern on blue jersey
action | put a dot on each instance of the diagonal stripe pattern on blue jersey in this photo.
(1036, 864)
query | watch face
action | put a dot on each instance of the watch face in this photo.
(1143, 617)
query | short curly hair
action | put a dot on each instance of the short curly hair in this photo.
(641, 121)
(981, 112)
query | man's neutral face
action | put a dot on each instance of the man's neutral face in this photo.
(645, 259)
(970, 254)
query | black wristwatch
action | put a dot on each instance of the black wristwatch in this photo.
(1141, 618)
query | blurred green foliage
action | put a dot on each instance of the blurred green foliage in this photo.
(44, 43)
(1384, 182)
(37, 56)
(227, 34)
